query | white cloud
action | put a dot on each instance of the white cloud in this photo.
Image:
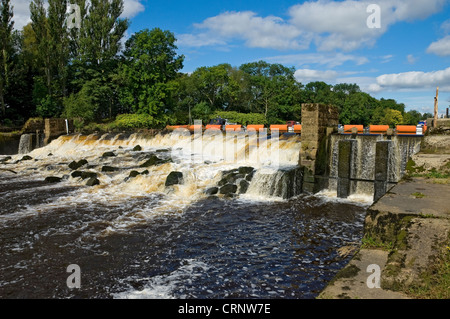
(131, 8)
(21, 10)
(308, 75)
(440, 47)
(415, 80)
(328, 60)
(329, 24)
(257, 32)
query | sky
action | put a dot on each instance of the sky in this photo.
(393, 49)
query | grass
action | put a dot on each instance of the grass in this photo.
(371, 243)
(436, 280)
(418, 195)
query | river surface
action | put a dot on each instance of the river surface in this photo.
(136, 238)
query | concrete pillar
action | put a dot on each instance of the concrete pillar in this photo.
(346, 149)
(318, 122)
(382, 153)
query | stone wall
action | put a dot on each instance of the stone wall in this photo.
(55, 127)
(33, 125)
(318, 122)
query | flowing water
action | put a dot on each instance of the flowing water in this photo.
(135, 237)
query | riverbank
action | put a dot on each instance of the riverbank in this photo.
(406, 237)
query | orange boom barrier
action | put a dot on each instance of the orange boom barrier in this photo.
(348, 128)
(406, 129)
(255, 127)
(195, 127)
(213, 127)
(235, 128)
(378, 129)
(297, 129)
(174, 127)
(280, 128)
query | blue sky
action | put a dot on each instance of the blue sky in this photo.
(405, 57)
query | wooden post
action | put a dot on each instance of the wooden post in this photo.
(436, 100)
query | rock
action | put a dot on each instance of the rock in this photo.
(76, 174)
(212, 191)
(7, 158)
(174, 178)
(137, 148)
(243, 186)
(92, 182)
(109, 169)
(153, 160)
(229, 177)
(249, 177)
(85, 175)
(76, 165)
(108, 154)
(146, 172)
(133, 174)
(245, 170)
(26, 158)
(53, 179)
(228, 189)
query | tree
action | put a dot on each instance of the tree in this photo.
(6, 29)
(358, 109)
(95, 53)
(268, 82)
(151, 62)
(392, 117)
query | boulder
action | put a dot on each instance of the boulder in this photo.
(7, 158)
(243, 186)
(53, 179)
(109, 169)
(85, 175)
(108, 154)
(245, 170)
(153, 160)
(137, 148)
(76, 165)
(26, 158)
(174, 178)
(212, 191)
(93, 181)
(228, 189)
(229, 177)
(133, 174)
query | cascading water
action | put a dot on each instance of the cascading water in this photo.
(25, 143)
(135, 234)
(363, 160)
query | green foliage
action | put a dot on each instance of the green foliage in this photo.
(48, 107)
(134, 121)
(79, 106)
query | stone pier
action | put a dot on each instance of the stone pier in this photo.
(382, 154)
(318, 122)
(345, 165)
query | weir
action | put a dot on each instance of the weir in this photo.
(356, 163)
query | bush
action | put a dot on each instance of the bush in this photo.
(134, 121)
